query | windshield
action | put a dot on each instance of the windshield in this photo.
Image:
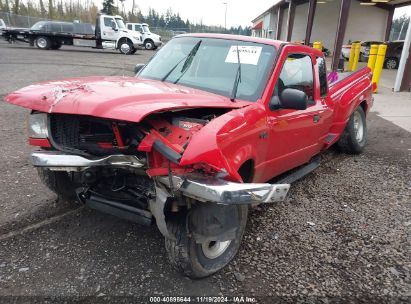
(146, 29)
(38, 26)
(212, 65)
(120, 23)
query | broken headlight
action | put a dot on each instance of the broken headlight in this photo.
(37, 125)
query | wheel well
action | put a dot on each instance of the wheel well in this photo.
(246, 171)
(148, 39)
(123, 39)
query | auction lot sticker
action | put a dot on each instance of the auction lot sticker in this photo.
(248, 54)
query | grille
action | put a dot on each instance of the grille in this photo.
(83, 133)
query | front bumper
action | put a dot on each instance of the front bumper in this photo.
(59, 161)
(158, 43)
(224, 192)
(205, 189)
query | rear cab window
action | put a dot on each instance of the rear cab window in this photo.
(297, 73)
(322, 73)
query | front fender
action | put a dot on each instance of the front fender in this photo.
(228, 141)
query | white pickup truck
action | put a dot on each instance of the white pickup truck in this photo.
(151, 41)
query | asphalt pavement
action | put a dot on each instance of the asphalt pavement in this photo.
(344, 232)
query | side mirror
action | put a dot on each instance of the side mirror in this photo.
(114, 26)
(289, 99)
(138, 67)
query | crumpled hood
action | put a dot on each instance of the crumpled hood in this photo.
(122, 98)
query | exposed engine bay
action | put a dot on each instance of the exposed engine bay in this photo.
(158, 142)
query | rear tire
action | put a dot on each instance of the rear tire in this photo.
(59, 182)
(56, 46)
(354, 137)
(43, 42)
(201, 260)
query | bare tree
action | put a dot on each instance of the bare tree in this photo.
(51, 9)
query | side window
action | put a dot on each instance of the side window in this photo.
(296, 73)
(55, 27)
(130, 27)
(322, 71)
(108, 21)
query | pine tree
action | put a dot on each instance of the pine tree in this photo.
(42, 9)
(6, 6)
(16, 6)
(51, 9)
(108, 7)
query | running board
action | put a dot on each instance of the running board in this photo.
(300, 172)
(123, 211)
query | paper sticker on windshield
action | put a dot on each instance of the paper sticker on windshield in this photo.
(248, 54)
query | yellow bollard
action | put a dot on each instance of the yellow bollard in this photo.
(379, 64)
(351, 59)
(318, 45)
(372, 56)
(357, 51)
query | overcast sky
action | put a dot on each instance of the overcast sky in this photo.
(211, 12)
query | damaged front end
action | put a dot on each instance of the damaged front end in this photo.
(133, 170)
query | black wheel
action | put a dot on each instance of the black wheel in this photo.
(126, 47)
(149, 44)
(59, 182)
(199, 260)
(56, 46)
(354, 137)
(391, 63)
(133, 51)
(43, 43)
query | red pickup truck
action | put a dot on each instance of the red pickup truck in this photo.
(196, 137)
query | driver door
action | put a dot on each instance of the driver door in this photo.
(292, 133)
(107, 31)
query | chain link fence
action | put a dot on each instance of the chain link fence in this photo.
(13, 20)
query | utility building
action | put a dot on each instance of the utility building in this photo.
(333, 22)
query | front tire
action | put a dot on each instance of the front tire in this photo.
(126, 48)
(149, 44)
(199, 260)
(354, 137)
(59, 182)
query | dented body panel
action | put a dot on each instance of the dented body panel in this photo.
(120, 98)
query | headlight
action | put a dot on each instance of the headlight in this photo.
(37, 125)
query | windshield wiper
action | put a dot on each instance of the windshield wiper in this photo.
(237, 79)
(188, 59)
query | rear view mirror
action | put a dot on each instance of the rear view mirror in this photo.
(114, 26)
(289, 99)
(138, 67)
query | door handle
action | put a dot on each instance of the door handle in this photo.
(316, 118)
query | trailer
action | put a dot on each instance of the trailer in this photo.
(108, 33)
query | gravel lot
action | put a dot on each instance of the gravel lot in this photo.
(344, 232)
